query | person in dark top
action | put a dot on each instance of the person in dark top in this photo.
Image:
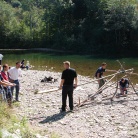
(67, 84)
(99, 74)
(22, 64)
(124, 84)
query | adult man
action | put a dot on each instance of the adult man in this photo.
(67, 81)
(124, 84)
(99, 73)
(14, 74)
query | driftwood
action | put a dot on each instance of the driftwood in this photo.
(105, 86)
(119, 72)
(100, 89)
(47, 91)
(91, 97)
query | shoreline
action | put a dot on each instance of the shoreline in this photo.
(94, 120)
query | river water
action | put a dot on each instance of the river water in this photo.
(84, 65)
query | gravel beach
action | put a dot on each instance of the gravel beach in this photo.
(96, 119)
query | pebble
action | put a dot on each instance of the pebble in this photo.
(99, 119)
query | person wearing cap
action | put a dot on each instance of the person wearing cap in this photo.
(124, 84)
(67, 85)
(14, 74)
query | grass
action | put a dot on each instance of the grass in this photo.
(17, 125)
(54, 135)
(12, 123)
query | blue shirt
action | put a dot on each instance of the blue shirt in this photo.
(100, 70)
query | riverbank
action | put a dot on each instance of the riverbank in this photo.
(33, 50)
(94, 120)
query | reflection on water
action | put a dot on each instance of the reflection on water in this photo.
(85, 65)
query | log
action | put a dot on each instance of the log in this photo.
(125, 71)
(47, 91)
(101, 88)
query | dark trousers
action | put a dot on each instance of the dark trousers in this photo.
(17, 89)
(67, 91)
(101, 83)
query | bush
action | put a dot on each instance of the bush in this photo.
(16, 4)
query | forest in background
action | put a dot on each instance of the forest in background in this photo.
(80, 26)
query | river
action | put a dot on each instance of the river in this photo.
(84, 65)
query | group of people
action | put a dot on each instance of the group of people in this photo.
(8, 81)
(69, 75)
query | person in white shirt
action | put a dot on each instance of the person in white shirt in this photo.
(14, 74)
(1, 56)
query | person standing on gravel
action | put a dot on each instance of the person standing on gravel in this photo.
(99, 74)
(14, 74)
(67, 84)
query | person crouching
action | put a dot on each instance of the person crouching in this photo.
(124, 84)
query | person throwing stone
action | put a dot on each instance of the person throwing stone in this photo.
(14, 74)
(67, 85)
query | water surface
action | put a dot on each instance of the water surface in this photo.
(84, 65)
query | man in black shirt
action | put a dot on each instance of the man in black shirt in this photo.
(67, 84)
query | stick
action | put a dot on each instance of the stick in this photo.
(132, 86)
(115, 92)
(101, 88)
(133, 73)
(91, 96)
(107, 76)
(56, 89)
(47, 91)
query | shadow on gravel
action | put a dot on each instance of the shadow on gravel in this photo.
(54, 118)
(123, 102)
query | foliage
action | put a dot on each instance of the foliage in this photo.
(87, 26)
(11, 123)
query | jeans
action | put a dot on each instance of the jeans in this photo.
(67, 91)
(8, 92)
(17, 89)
